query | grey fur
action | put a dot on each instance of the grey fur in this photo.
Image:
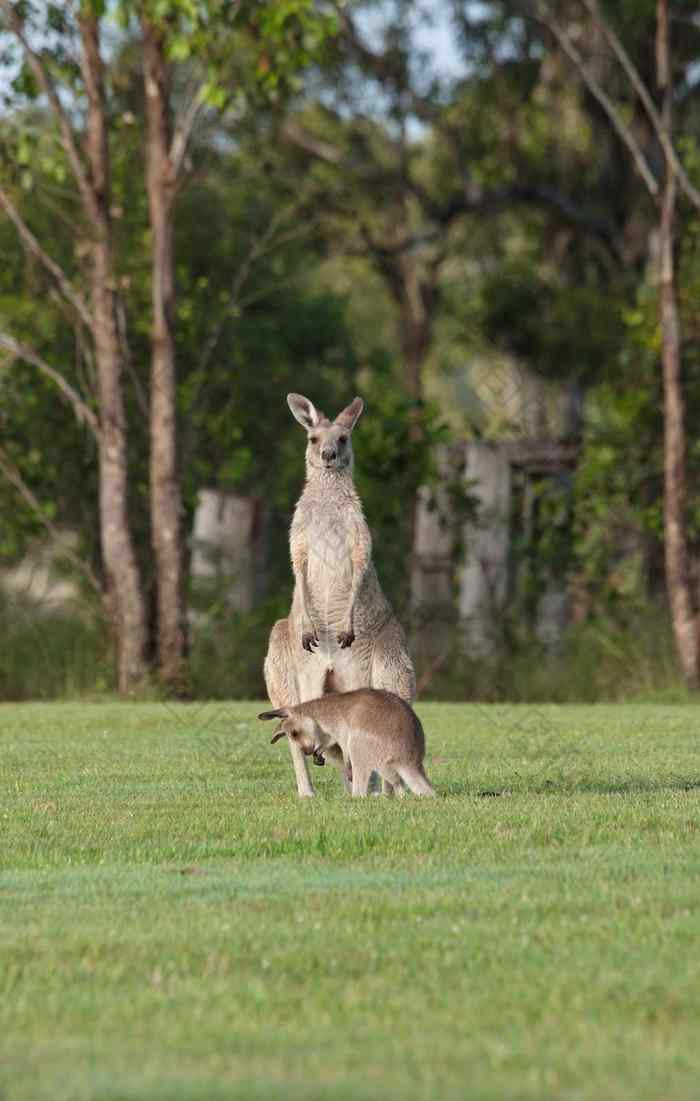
(341, 633)
(367, 731)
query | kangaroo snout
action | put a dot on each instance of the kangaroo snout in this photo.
(328, 455)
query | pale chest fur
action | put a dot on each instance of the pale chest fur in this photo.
(331, 533)
(329, 528)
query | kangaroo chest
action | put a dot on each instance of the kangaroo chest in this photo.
(335, 539)
(330, 541)
(330, 537)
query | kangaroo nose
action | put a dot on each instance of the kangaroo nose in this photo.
(327, 455)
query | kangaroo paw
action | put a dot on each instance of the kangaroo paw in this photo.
(308, 641)
(345, 639)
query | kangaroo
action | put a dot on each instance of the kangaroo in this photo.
(341, 632)
(374, 730)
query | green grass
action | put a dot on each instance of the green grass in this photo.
(175, 924)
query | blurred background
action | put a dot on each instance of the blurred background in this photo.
(480, 216)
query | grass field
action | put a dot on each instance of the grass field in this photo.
(175, 924)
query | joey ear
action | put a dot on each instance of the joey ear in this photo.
(278, 713)
(349, 416)
(304, 411)
(277, 735)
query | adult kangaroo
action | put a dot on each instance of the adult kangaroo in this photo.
(341, 632)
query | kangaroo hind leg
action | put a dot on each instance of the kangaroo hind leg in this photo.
(391, 782)
(283, 691)
(392, 668)
(361, 773)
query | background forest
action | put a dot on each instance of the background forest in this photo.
(480, 216)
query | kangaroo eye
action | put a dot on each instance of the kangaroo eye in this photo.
(342, 439)
(313, 439)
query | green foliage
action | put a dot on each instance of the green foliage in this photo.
(564, 332)
(619, 484)
(250, 325)
(280, 39)
(618, 497)
(51, 654)
(395, 444)
(542, 552)
(620, 651)
(292, 33)
(227, 649)
(54, 455)
(268, 299)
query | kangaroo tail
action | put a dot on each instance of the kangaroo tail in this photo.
(415, 779)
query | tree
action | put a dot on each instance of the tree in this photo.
(196, 35)
(414, 176)
(166, 505)
(91, 174)
(663, 191)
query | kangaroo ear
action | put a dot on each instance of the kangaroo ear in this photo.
(351, 414)
(276, 737)
(278, 713)
(304, 411)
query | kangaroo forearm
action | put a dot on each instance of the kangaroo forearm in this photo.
(360, 562)
(305, 599)
(350, 613)
(309, 636)
(299, 568)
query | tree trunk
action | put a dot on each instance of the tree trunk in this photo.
(124, 598)
(415, 339)
(166, 505)
(415, 320)
(415, 300)
(675, 525)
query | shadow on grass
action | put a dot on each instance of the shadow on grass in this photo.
(633, 786)
(636, 785)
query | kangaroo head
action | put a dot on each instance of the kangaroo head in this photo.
(328, 443)
(297, 728)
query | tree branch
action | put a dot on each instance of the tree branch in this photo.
(470, 199)
(55, 271)
(550, 197)
(45, 83)
(544, 14)
(14, 477)
(139, 391)
(642, 91)
(83, 413)
(260, 246)
(384, 71)
(318, 148)
(184, 126)
(476, 200)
